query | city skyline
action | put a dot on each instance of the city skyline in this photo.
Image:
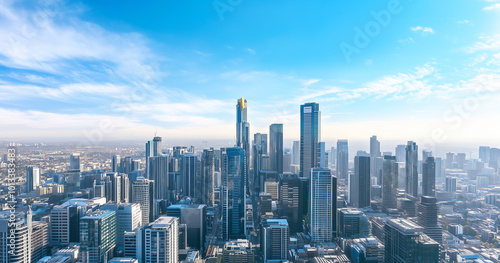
(66, 61)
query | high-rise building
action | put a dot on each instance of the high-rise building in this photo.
(234, 193)
(153, 148)
(143, 192)
(113, 187)
(129, 218)
(451, 184)
(97, 236)
(342, 159)
(352, 223)
(73, 174)
(189, 171)
(405, 242)
(310, 133)
(427, 216)
(161, 244)
(275, 239)
(74, 161)
(296, 152)
(115, 164)
(374, 154)
(287, 162)
(401, 153)
(293, 196)
(412, 169)
(259, 150)
(15, 240)
(125, 188)
(207, 173)
(65, 224)
(158, 172)
(194, 217)
(359, 191)
(32, 178)
(39, 240)
(450, 158)
(484, 154)
(323, 205)
(243, 132)
(390, 183)
(132, 244)
(276, 147)
(429, 177)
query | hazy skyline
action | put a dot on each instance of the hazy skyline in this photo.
(73, 70)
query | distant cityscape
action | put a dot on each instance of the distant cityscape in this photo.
(253, 200)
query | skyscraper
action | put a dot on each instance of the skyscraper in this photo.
(234, 193)
(259, 150)
(143, 192)
(484, 154)
(310, 133)
(323, 205)
(275, 239)
(158, 172)
(115, 164)
(352, 223)
(390, 182)
(405, 242)
(276, 147)
(207, 177)
(162, 245)
(412, 169)
(342, 159)
(296, 152)
(73, 174)
(293, 200)
(451, 184)
(427, 215)
(32, 178)
(243, 131)
(429, 177)
(153, 148)
(98, 236)
(374, 147)
(129, 218)
(189, 174)
(401, 153)
(74, 161)
(361, 187)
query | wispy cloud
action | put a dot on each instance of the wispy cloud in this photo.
(423, 30)
(465, 21)
(492, 7)
(251, 51)
(486, 42)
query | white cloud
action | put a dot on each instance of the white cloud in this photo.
(486, 42)
(251, 51)
(409, 40)
(492, 7)
(465, 21)
(424, 30)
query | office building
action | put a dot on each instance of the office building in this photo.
(366, 250)
(259, 150)
(73, 174)
(129, 218)
(161, 241)
(405, 242)
(323, 204)
(65, 224)
(158, 172)
(143, 193)
(310, 132)
(374, 154)
(427, 215)
(189, 175)
(359, 183)
(234, 193)
(275, 240)
(32, 178)
(296, 152)
(412, 169)
(193, 216)
(153, 148)
(342, 159)
(98, 236)
(16, 239)
(352, 223)
(115, 164)
(293, 200)
(238, 251)
(451, 184)
(429, 177)
(390, 183)
(401, 153)
(207, 174)
(276, 147)
(484, 154)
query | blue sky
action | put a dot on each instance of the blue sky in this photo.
(103, 70)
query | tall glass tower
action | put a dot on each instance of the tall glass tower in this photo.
(412, 169)
(342, 159)
(310, 132)
(234, 193)
(276, 147)
(243, 131)
(323, 205)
